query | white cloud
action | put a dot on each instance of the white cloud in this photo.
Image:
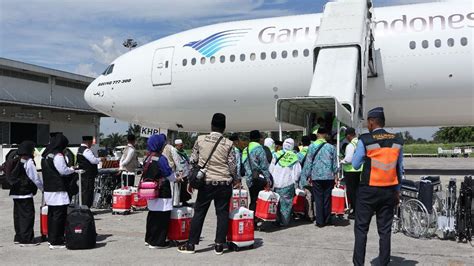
(86, 70)
(107, 50)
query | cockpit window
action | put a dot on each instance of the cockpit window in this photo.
(108, 70)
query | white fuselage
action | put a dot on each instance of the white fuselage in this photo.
(430, 86)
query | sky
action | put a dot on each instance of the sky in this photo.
(84, 36)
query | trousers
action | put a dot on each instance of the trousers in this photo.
(221, 196)
(322, 200)
(253, 191)
(352, 180)
(24, 220)
(157, 228)
(381, 201)
(56, 224)
(87, 193)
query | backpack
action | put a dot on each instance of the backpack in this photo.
(12, 168)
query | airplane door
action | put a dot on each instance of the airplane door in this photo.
(161, 73)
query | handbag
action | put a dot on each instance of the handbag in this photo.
(148, 188)
(259, 182)
(197, 176)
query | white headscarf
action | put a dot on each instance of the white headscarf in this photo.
(289, 144)
(270, 143)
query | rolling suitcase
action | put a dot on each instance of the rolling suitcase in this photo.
(122, 200)
(180, 221)
(267, 206)
(43, 220)
(80, 232)
(299, 202)
(241, 231)
(239, 199)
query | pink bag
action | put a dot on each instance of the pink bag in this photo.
(148, 189)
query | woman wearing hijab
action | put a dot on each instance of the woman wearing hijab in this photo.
(286, 171)
(57, 177)
(25, 183)
(156, 167)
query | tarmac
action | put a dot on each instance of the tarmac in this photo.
(121, 241)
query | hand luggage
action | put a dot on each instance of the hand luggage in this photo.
(338, 200)
(267, 206)
(137, 202)
(80, 232)
(299, 202)
(122, 200)
(241, 229)
(180, 224)
(425, 194)
(239, 199)
(43, 220)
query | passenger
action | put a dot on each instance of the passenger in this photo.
(304, 149)
(25, 183)
(313, 138)
(220, 174)
(89, 163)
(303, 182)
(183, 171)
(320, 124)
(156, 167)
(381, 154)
(257, 174)
(351, 175)
(286, 171)
(172, 155)
(269, 147)
(237, 151)
(278, 146)
(59, 185)
(129, 161)
(321, 169)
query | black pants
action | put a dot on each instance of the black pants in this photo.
(128, 180)
(56, 224)
(382, 202)
(88, 184)
(253, 191)
(184, 196)
(221, 196)
(24, 220)
(352, 180)
(157, 228)
(322, 200)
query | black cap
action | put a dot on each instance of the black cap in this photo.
(278, 143)
(131, 137)
(87, 138)
(218, 120)
(255, 134)
(306, 141)
(26, 148)
(313, 137)
(322, 130)
(377, 112)
(234, 137)
(52, 134)
(350, 131)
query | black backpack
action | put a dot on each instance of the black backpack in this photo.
(11, 169)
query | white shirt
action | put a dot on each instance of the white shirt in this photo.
(350, 149)
(285, 176)
(59, 198)
(127, 158)
(162, 204)
(89, 155)
(31, 172)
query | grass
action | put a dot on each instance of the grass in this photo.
(431, 148)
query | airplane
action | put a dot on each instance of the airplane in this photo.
(424, 60)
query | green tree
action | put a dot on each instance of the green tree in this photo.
(113, 140)
(454, 134)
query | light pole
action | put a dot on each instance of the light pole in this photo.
(130, 44)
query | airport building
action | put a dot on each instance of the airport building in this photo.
(35, 101)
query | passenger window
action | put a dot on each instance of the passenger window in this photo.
(110, 69)
(252, 56)
(413, 45)
(222, 59)
(203, 60)
(464, 41)
(185, 62)
(242, 57)
(274, 55)
(284, 54)
(263, 56)
(212, 60)
(232, 58)
(437, 43)
(425, 44)
(295, 53)
(306, 52)
(193, 61)
(450, 42)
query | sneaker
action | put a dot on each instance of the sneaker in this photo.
(51, 247)
(187, 249)
(29, 245)
(166, 245)
(219, 249)
(16, 242)
(146, 244)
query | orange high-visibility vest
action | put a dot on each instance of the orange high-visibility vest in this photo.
(381, 161)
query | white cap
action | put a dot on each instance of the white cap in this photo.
(178, 141)
(269, 142)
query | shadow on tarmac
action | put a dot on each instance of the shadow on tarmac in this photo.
(394, 260)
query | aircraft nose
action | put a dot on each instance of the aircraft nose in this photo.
(89, 94)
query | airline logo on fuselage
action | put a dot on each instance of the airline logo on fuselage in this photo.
(218, 41)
